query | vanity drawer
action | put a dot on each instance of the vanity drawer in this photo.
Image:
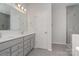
(5, 52)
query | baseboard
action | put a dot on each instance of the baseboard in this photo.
(58, 43)
(45, 49)
(49, 49)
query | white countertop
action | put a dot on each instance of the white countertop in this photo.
(11, 37)
(75, 34)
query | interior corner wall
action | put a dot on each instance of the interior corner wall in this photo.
(59, 23)
(40, 22)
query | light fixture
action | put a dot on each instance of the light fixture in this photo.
(21, 8)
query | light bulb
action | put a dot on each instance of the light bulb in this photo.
(22, 8)
(19, 5)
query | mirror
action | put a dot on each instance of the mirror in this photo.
(4, 17)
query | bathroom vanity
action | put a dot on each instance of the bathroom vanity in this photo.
(19, 45)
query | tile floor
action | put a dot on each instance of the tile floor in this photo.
(57, 50)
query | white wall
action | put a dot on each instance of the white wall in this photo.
(59, 24)
(40, 23)
(4, 8)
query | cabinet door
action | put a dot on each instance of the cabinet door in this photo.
(32, 41)
(20, 50)
(29, 43)
(14, 47)
(14, 50)
(26, 50)
(17, 49)
(5, 52)
(27, 46)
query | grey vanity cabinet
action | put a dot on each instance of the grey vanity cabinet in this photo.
(17, 47)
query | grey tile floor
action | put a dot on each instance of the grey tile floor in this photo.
(57, 50)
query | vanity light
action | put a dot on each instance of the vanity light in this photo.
(20, 8)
